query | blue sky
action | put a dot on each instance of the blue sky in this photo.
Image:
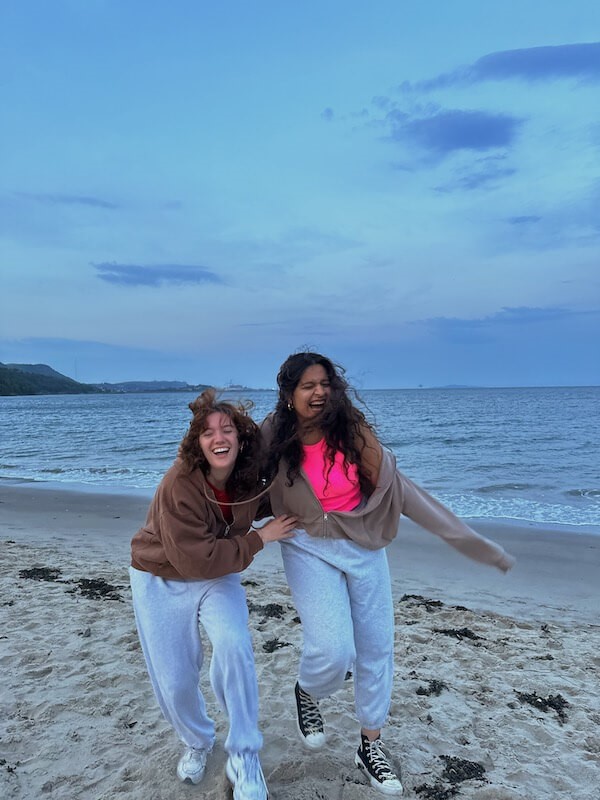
(191, 191)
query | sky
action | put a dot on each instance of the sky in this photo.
(192, 191)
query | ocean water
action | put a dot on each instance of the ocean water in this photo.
(528, 454)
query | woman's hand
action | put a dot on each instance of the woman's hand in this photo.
(279, 528)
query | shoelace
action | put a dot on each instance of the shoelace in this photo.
(379, 761)
(311, 716)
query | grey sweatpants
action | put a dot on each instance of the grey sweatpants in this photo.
(343, 595)
(167, 613)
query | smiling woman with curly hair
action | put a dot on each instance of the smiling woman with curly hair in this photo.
(185, 565)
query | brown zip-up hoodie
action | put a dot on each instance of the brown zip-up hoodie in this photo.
(375, 524)
(186, 536)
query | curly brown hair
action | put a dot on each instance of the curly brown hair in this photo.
(343, 424)
(245, 478)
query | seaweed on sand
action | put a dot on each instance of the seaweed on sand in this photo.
(459, 769)
(436, 792)
(41, 574)
(459, 633)
(274, 644)
(434, 687)
(96, 589)
(554, 701)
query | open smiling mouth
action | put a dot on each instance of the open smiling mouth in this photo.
(220, 451)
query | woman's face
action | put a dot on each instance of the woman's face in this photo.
(219, 442)
(312, 393)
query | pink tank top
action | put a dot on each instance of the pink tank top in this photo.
(337, 490)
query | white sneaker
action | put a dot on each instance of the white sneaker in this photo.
(246, 776)
(192, 765)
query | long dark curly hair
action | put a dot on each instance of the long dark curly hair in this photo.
(341, 423)
(245, 478)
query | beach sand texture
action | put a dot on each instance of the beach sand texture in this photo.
(496, 680)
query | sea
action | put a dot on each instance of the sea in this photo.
(517, 454)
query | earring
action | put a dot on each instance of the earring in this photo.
(290, 407)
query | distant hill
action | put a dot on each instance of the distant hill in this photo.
(38, 369)
(150, 386)
(19, 379)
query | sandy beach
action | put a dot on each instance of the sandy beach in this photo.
(496, 684)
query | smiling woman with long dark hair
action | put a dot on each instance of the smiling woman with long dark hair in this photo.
(329, 470)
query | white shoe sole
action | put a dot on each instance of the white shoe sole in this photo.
(381, 787)
(314, 741)
(189, 779)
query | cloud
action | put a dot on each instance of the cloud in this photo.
(158, 275)
(529, 64)
(506, 317)
(527, 219)
(69, 200)
(486, 173)
(445, 132)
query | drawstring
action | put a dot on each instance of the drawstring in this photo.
(239, 502)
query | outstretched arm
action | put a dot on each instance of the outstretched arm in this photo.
(432, 515)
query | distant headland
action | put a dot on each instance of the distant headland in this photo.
(33, 379)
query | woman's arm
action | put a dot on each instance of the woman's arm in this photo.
(432, 515)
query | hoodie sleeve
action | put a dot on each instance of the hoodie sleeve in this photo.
(432, 515)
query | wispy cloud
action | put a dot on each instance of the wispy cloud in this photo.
(530, 64)
(69, 200)
(527, 219)
(520, 315)
(445, 132)
(156, 275)
(484, 173)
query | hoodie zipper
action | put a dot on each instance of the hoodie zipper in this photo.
(228, 525)
(314, 494)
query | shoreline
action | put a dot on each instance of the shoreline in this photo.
(146, 494)
(556, 569)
